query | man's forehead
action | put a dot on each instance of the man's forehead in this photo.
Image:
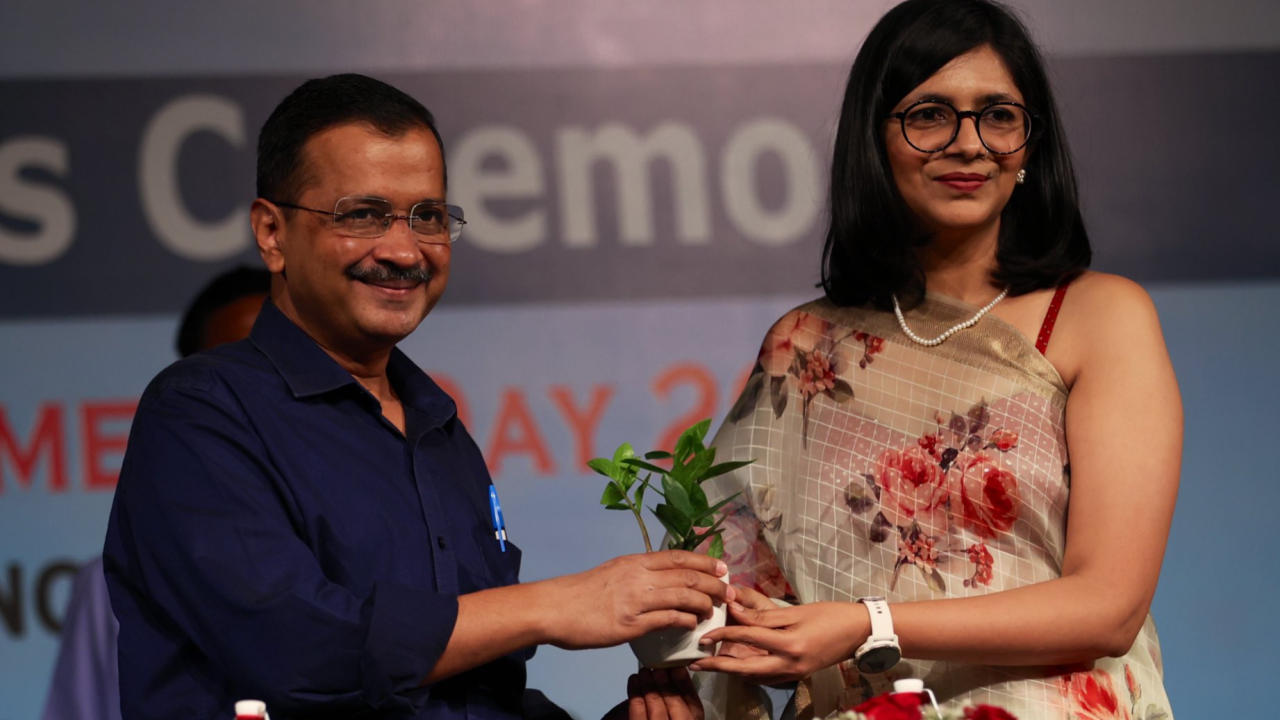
(356, 154)
(348, 136)
(379, 201)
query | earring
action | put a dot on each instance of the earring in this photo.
(1021, 177)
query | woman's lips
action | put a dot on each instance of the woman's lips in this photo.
(964, 182)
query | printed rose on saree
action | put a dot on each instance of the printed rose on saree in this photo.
(1092, 695)
(802, 350)
(947, 493)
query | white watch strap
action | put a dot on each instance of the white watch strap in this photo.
(881, 620)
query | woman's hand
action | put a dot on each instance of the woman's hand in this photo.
(659, 695)
(753, 600)
(786, 644)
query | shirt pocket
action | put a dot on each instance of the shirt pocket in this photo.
(499, 568)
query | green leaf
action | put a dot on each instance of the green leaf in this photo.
(624, 474)
(637, 463)
(684, 511)
(699, 430)
(623, 452)
(677, 496)
(692, 542)
(715, 526)
(724, 467)
(697, 500)
(677, 525)
(613, 495)
(684, 447)
(690, 441)
(614, 469)
(717, 547)
(604, 466)
(716, 508)
(678, 472)
(701, 462)
(712, 528)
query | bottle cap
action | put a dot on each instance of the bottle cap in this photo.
(246, 709)
(908, 685)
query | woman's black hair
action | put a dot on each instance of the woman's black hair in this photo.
(869, 252)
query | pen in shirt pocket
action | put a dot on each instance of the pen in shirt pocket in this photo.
(495, 515)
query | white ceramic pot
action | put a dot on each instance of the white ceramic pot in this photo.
(674, 647)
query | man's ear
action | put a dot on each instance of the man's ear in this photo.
(267, 223)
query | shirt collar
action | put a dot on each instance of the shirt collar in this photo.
(308, 370)
(418, 391)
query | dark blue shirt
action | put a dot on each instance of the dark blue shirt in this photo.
(273, 536)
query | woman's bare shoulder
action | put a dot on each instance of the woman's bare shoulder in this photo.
(1101, 290)
(1107, 319)
(1103, 316)
(1113, 306)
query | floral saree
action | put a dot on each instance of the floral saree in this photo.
(888, 468)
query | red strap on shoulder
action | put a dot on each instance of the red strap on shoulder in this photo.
(1050, 317)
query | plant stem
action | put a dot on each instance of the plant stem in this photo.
(635, 509)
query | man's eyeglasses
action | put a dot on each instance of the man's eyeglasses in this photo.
(370, 217)
(932, 125)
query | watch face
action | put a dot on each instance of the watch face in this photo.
(877, 660)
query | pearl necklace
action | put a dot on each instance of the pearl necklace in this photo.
(902, 322)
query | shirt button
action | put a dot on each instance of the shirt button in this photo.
(441, 542)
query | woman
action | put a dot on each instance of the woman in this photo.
(920, 430)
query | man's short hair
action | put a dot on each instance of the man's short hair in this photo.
(322, 103)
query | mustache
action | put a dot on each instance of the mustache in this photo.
(383, 272)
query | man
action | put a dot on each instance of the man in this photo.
(301, 517)
(84, 684)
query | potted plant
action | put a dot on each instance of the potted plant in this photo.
(691, 523)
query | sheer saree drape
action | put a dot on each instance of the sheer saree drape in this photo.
(888, 468)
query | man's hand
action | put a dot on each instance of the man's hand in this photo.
(659, 695)
(607, 605)
(629, 596)
(795, 641)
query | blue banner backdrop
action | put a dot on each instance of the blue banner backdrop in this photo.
(634, 231)
(626, 183)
